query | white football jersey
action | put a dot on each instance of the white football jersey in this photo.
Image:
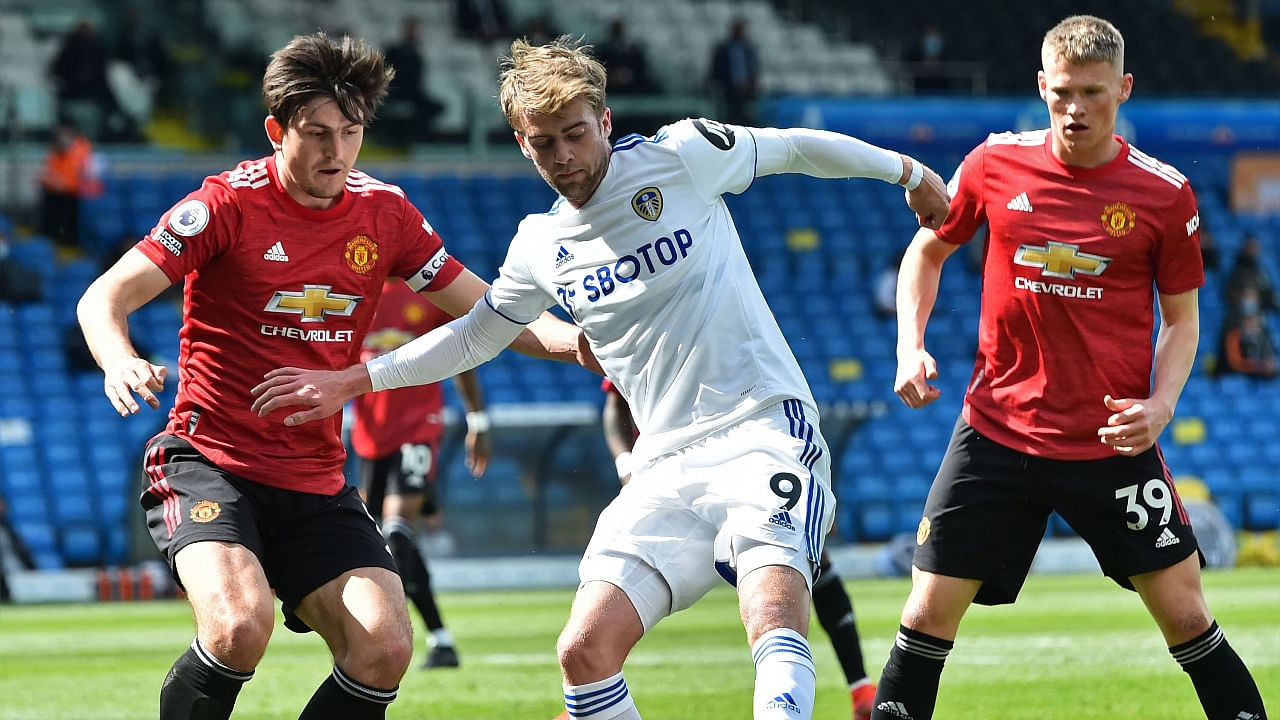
(653, 271)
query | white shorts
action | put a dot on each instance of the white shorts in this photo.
(757, 493)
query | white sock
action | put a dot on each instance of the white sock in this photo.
(785, 679)
(607, 699)
(441, 638)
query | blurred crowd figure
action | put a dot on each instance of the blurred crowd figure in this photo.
(410, 111)
(624, 60)
(735, 75)
(1245, 345)
(71, 173)
(484, 20)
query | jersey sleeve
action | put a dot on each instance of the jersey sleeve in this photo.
(719, 158)
(196, 230)
(426, 265)
(514, 294)
(1179, 264)
(967, 212)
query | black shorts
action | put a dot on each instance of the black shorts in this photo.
(410, 470)
(989, 505)
(302, 540)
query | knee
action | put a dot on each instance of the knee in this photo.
(584, 657)
(238, 637)
(768, 613)
(381, 660)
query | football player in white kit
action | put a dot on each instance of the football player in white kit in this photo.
(731, 475)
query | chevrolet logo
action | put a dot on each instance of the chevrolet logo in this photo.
(1061, 260)
(314, 303)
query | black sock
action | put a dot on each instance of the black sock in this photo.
(341, 698)
(1223, 684)
(198, 687)
(413, 570)
(835, 613)
(909, 684)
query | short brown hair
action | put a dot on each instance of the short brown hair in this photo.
(540, 80)
(353, 74)
(1084, 39)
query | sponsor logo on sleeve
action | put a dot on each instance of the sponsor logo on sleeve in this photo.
(437, 261)
(170, 243)
(189, 218)
(1193, 224)
(716, 133)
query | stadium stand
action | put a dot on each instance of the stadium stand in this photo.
(69, 465)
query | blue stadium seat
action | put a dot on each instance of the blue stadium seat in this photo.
(81, 545)
(27, 506)
(38, 536)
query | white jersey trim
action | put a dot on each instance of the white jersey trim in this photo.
(1161, 170)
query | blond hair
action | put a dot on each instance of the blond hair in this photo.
(1084, 39)
(542, 80)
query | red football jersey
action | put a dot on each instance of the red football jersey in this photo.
(387, 419)
(1073, 261)
(270, 283)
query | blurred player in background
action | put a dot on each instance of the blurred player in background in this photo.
(397, 436)
(830, 600)
(284, 259)
(730, 476)
(1086, 235)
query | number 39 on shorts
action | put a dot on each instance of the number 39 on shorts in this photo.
(1154, 494)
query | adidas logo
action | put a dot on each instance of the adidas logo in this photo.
(784, 701)
(562, 257)
(276, 253)
(1020, 203)
(895, 709)
(1246, 715)
(783, 520)
(1166, 539)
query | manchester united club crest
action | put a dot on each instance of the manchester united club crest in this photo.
(361, 254)
(922, 532)
(1118, 219)
(647, 203)
(205, 511)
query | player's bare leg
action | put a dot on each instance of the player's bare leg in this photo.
(603, 627)
(1175, 600)
(774, 603)
(909, 683)
(234, 612)
(362, 616)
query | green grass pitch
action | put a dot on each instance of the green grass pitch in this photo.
(1075, 646)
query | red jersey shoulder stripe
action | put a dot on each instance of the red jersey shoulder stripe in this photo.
(250, 175)
(357, 181)
(1161, 170)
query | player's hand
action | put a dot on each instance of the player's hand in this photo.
(133, 375)
(478, 452)
(929, 200)
(1134, 425)
(915, 369)
(323, 391)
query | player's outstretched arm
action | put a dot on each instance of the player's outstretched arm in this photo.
(917, 291)
(444, 352)
(825, 154)
(103, 313)
(548, 337)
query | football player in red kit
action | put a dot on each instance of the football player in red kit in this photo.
(284, 260)
(1068, 396)
(397, 437)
